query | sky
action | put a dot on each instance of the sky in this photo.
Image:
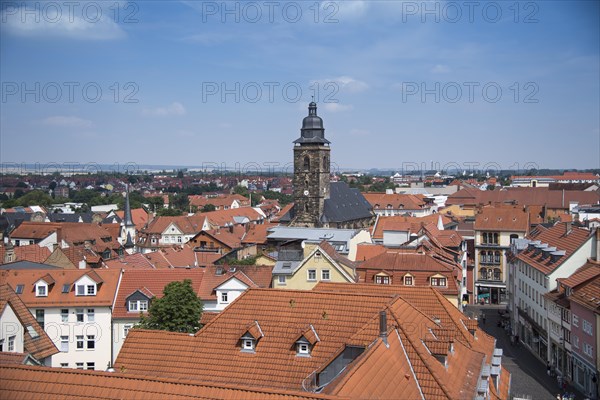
(400, 85)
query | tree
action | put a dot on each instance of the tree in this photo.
(208, 208)
(241, 190)
(179, 310)
(168, 212)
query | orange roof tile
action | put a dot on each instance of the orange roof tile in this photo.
(403, 223)
(105, 294)
(366, 251)
(508, 219)
(39, 347)
(151, 283)
(32, 252)
(59, 383)
(250, 275)
(381, 201)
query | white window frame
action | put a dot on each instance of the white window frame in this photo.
(126, 329)
(91, 339)
(64, 365)
(79, 342)
(41, 290)
(91, 365)
(79, 315)
(138, 305)
(382, 280)
(91, 315)
(588, 350)
(587, 327)
(311, 272)
(64, 344)
(575, 321)
(90, 290)
(248, 344)
(412, 280)
(323, 278)
(303, 349)
(224, 297)
(79, 365)
(64, 316)
(11, 343)
(80, 290)
(281, 280)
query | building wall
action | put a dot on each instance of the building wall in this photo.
(100, 327)
(300, 279)
(579, 315)
(363, 236)
(10, 326)
(118, 334)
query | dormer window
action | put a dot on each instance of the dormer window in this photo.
(306, 342)
(248, 344)
(408, 280)
(302, 349)
(41, 289)
(86, 290)
(250, 338)
(138, 305)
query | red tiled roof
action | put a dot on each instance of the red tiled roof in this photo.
(34, 230)
(366, 251)
(251, 275)
(39, 347)
(402, 223)
(563, 237)
(32, 252)
(380, 201)
(104, 295)
(138, 215)
(151, 283)
(223, 200)
(60, 383)
(507, 219)
(257, 233)
(130, 261)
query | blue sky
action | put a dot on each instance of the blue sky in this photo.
(399, 84)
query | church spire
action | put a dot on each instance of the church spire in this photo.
(127, 220)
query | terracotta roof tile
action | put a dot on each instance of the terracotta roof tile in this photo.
(251, 275)
(32, 252)
(55, 383)
(509, 219)
(403, 223)
(151, 283)
(39, 347)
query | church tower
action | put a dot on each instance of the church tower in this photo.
(311, 171)
(128, 234)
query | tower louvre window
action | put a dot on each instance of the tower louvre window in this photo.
(306, 163)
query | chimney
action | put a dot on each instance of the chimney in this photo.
(568, 228)
(9, 255)
(383, 327)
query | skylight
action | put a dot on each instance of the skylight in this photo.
(19, 289)
(66, 287)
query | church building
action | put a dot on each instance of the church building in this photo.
(319, 203)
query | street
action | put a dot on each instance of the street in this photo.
(529, 377)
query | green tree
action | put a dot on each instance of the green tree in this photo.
(209, 208)
(179, 310)
(239, 189)
(168, 212)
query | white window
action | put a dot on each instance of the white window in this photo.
(312, 274)
(587, 327)
(11, 343)
(408, 280)
(576, 341)
(1, 345)
(91, 290)
(80, 290)
(588, 350)
(575, 320)
(248, 344)
(138, 305)
(91, 342)
(86, 290)
(281, 279)
(79, 313)
(91, 365)
(438, 281)
(64, 365)
(382, 280)
(41, 290)
(325, 275)
(64, 344)
(126, 329)
(64, 315)
(303, 349)
(79, 365)
(224, 297)
(90, 314)
(79, 342)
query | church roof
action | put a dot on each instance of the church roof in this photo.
(345, 204)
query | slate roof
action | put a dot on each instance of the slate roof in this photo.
(61, 383)
(39, 347)
(27, 265)
(345, 204)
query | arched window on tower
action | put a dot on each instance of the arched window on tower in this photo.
(306, 163)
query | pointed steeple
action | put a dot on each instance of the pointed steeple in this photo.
(127, 220)
(129, 243)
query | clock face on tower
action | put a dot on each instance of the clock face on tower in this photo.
(306, 192)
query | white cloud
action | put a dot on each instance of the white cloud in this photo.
(342, 84)
(175, 108)
(80, 21)
(440, 69)
(337, 107)
(67, 122)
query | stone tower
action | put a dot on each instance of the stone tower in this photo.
(311, 171)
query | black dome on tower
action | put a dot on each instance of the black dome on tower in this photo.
(312, 127)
